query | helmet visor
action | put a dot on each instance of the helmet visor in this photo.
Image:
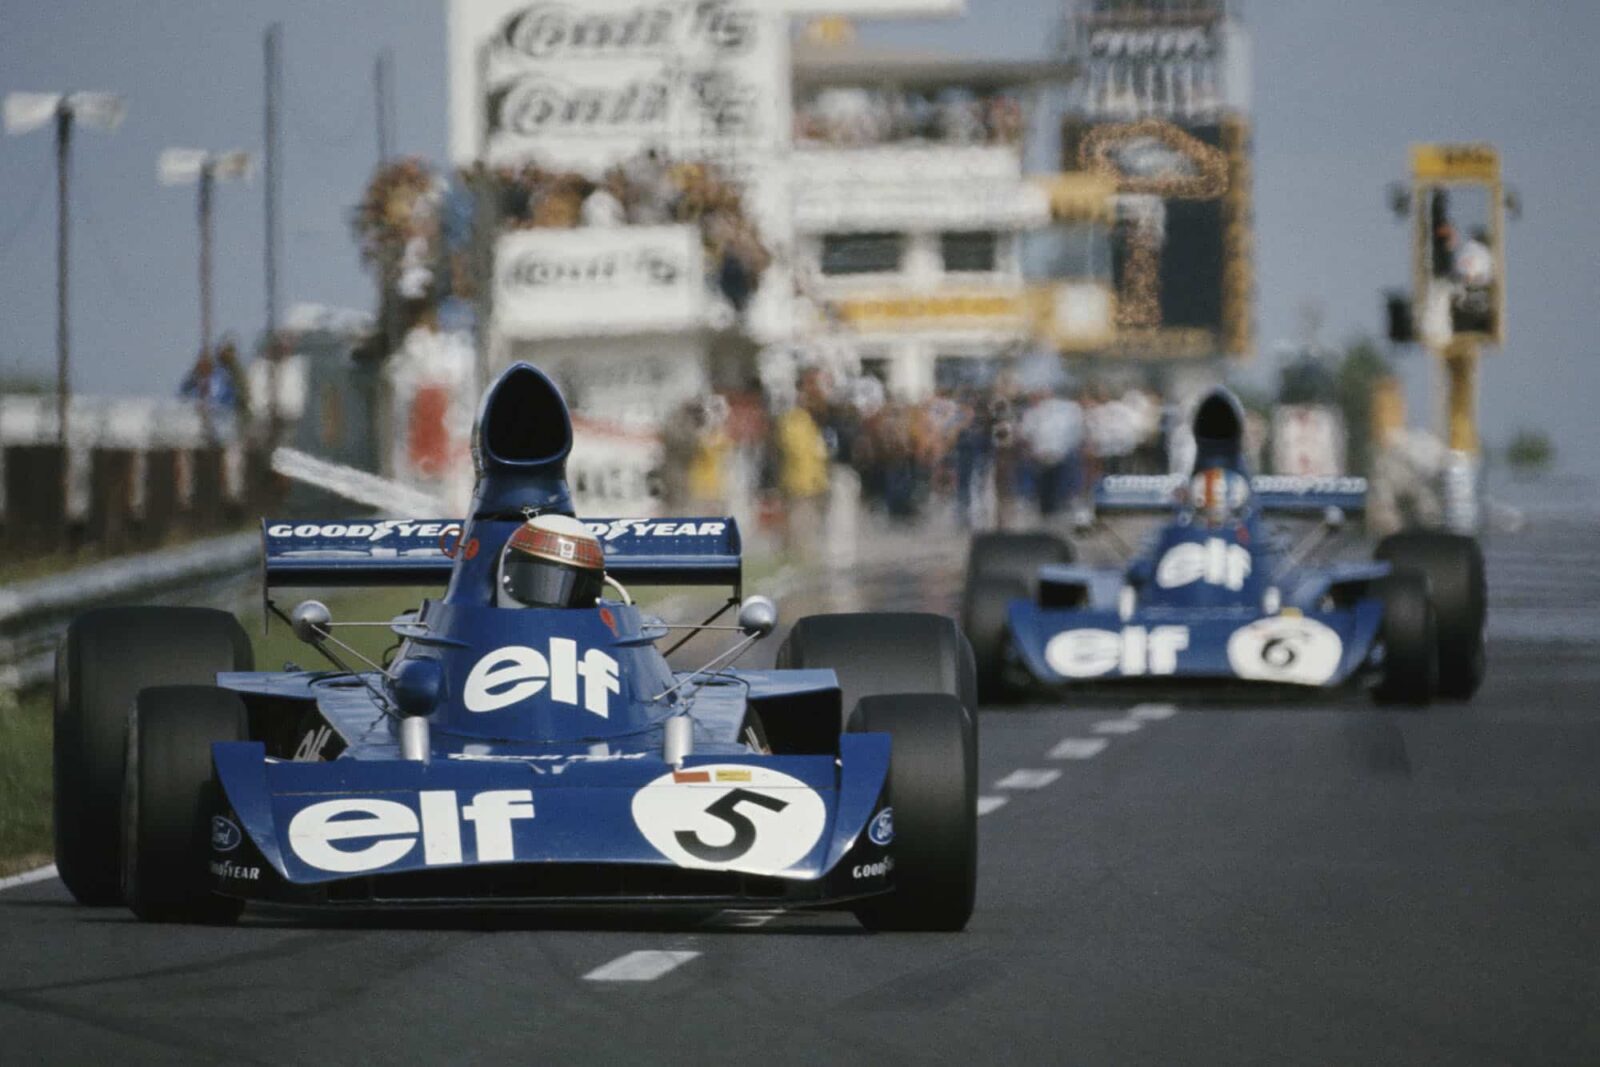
(543, 583)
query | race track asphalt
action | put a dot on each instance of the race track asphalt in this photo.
(1322, 883)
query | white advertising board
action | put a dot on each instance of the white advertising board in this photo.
(1307, 439)
(589, 83)
(916, 188)
(598, 281)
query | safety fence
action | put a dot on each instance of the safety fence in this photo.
(218, 571)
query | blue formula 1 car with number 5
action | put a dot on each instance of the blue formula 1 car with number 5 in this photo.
(527, 744)
(1218, 598)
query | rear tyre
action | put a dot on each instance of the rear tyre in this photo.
(169, 795)
(933, 787)
(1453, 566)
(1410, 642)
(884, 652)
(106, 657)
(985, 618)
(1014, 555)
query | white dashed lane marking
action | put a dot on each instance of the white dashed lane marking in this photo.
(1079, 748)
(745, 919)
(40, 874)
(1152, 712)
(644, 965)
(1027, 778)
(1116, 726)
(988, 804)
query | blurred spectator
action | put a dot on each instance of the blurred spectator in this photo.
(802, 456)
(1052, 431)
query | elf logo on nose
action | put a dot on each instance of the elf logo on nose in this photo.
(515, 673)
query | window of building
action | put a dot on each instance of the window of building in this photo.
(973, 250)
(862, 253)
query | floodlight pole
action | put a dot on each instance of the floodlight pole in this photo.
(63, 228)
(205, 183)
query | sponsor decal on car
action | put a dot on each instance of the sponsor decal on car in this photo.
(761, 825)
(1134, 651)
(1215, 562)
(610, 531)
(225, 834)
(229, 869)
(371, 531)
(353, 835)
(1286, 648)
(873, 870)
(881, 829)
(516, 673)
(311, 745)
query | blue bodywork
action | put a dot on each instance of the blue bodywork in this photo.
(545, 782)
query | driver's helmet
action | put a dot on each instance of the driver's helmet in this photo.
(551, 561)
(1219, 496)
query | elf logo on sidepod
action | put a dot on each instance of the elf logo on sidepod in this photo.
(352, 835)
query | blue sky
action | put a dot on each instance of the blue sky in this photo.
(1340, 90)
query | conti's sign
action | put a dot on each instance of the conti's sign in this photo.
(588, 83)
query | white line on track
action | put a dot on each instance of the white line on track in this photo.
(1079, 748)
(1152, 712)
(643, 965)
(988, 804)
(40, 874)
(1028, 778)
(1116, 726)
(745, 919)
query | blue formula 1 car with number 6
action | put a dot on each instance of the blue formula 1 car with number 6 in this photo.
(1218, 598)
(527, 744)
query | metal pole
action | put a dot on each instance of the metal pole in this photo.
(63, 225)
(274, 75)
(205, 268)
(381, 88)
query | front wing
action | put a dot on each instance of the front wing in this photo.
(615, 829)
(1310, 649)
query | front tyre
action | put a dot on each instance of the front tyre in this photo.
(985, 618)
(106, 657)
(1410, 642)
(169, 795)
(933, 787)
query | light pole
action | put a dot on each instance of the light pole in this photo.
(181, 166)
(25, 112)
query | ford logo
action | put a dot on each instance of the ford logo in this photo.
(225, 835)
(881, 829)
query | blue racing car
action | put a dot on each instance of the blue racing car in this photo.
(526, 744)
(1218, 598)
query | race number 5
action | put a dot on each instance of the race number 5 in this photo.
(731, 817)
(744, 831)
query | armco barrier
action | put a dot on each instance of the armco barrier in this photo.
(34, 614)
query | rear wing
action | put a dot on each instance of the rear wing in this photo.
(412, 552)
(1282, 493)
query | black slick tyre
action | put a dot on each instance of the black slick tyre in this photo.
(933, 787)
(1410, 642)
(1453, 566)
(884, 652)
(985, 620)
(1014, 555)
(169, 796)
(106, 657)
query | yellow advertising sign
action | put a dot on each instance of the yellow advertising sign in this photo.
(1455, 163)
(904, 311)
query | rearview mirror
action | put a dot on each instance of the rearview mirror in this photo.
(758, 616)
